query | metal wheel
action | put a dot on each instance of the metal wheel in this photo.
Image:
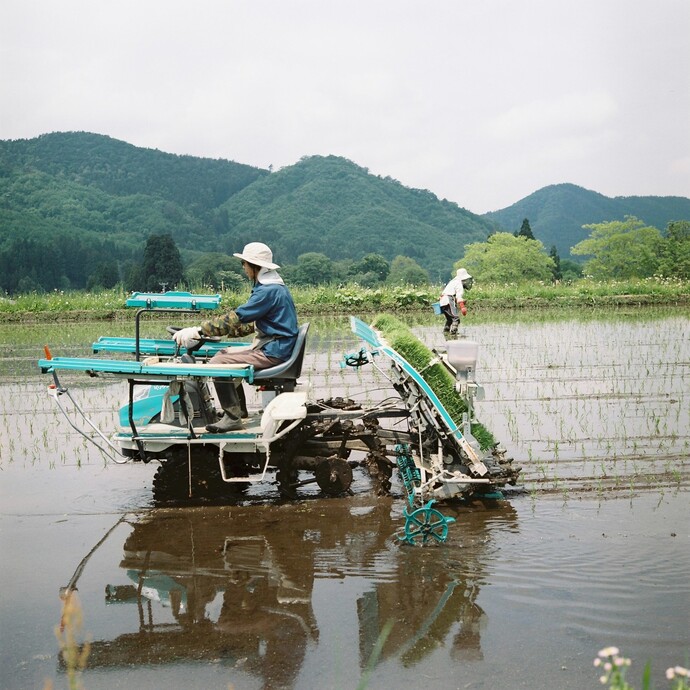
(427, 524)
(171, 482)
(333, 475)
(380, 471)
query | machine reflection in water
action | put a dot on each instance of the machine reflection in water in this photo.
(235, 585)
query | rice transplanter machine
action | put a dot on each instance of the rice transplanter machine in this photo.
(294, 439)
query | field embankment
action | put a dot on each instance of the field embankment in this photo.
(109, 305)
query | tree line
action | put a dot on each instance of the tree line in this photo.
(614, 250)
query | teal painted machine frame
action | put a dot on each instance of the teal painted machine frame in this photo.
(147, 372)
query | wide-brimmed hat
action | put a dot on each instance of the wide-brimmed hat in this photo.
(463, 274)
(259, 254)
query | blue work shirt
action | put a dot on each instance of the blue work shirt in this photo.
(271, 308)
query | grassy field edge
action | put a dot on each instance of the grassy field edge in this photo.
(349, 299)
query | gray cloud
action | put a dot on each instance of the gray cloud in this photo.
(480, 102)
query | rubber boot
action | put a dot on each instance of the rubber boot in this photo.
(243, 401)
(232, 411)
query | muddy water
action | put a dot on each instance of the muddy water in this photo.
(593, 551)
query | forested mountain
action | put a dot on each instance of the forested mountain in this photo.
(121, 169)
(557, 213)
(332, 206)
(73, 204)
(78, 208)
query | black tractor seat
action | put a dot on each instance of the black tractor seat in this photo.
(284, 375)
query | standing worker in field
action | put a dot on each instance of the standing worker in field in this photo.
(271, 310)
(452, 300)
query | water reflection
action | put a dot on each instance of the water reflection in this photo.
(236, 585)
(585, 571)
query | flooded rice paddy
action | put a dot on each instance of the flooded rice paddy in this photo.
(591, 550)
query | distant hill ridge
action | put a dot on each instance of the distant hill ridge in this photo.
(557, 213)
(75, 199)
(121, 169)
(91, 188)
(330, 205)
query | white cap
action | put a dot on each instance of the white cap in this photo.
(259, 254)
(463, 274)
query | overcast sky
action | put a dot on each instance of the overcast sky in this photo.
(480, 101)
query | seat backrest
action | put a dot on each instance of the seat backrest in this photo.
(290, 369)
